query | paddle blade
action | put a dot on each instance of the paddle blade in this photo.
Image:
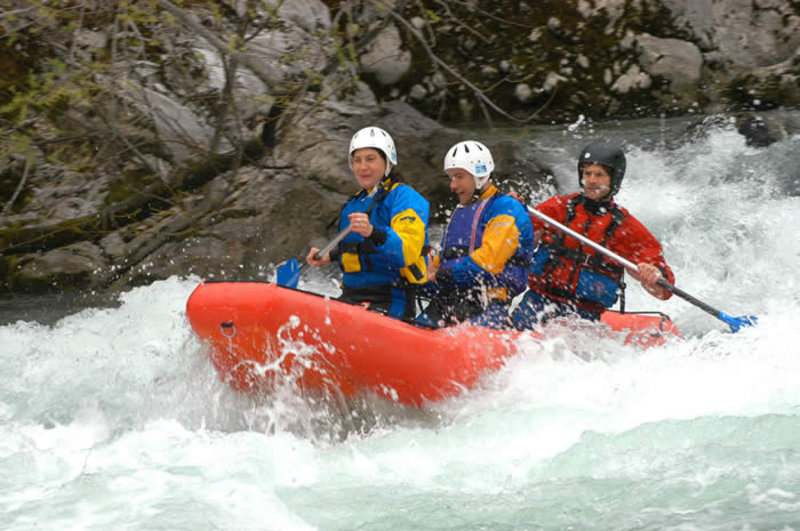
(289, 274)
(737, 323)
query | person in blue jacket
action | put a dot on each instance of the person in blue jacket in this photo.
(486, 247)
(383, 257)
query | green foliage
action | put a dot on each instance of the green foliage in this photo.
(128, 184)
(47, 93)
(14, 143)
(42, 76)
(432, 16)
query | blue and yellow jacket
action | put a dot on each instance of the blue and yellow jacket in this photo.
(487, 244)
(395, 249)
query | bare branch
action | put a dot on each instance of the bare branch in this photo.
(22, 181)
(483, 99)
(491, 16)
(287, 116)
(467, 27)
(435, 58)
(265, 73)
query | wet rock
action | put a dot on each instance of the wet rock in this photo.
(761, 130)
(384, 57)
(73, 267)
(632, 79)
(756, 131)
(679, 62)
(166, 179)
(516, 169)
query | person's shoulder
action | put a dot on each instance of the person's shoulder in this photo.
(406, 189)
(404, 196)
(625, 212)
(557, 200)
(510, 203)
(631, 222)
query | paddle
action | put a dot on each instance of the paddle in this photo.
(735, 323)
(289, 273)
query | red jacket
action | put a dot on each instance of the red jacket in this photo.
(629, 239)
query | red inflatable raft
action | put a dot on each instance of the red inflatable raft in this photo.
(262, 335)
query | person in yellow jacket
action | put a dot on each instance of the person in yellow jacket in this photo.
(486, 247)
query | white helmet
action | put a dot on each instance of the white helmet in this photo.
(375, 137)
(473, 157)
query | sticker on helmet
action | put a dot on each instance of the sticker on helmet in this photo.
(480, 168)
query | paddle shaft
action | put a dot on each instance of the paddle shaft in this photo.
(333, 243)
(325, 250)
(295, 277)
(627, 263)
(341, 236)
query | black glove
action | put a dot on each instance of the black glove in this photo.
(444, 277)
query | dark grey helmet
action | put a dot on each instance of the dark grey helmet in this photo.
(608, 155)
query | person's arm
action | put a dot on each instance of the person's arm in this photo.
(648, 276)
(555, 208)
(433, 265)
(312, 261)
(636, 243)
(499, 243)
(401, 242)
(500, 240)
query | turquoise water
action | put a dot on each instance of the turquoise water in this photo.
(113, 418)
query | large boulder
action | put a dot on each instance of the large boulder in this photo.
(384, 57)
(73, 267)
(678, 62)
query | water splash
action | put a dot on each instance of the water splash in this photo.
(111, 409)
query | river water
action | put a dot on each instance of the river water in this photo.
(111, 416)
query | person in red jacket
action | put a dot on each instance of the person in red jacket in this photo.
(568, 277)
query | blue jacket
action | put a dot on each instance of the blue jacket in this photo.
(395, 249)
(487, 244)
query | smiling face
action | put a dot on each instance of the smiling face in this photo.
(596, 182)
(368, 167)
(462, 183)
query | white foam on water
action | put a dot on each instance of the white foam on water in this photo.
(115, 418)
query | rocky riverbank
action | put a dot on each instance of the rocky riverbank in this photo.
(141, 145)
